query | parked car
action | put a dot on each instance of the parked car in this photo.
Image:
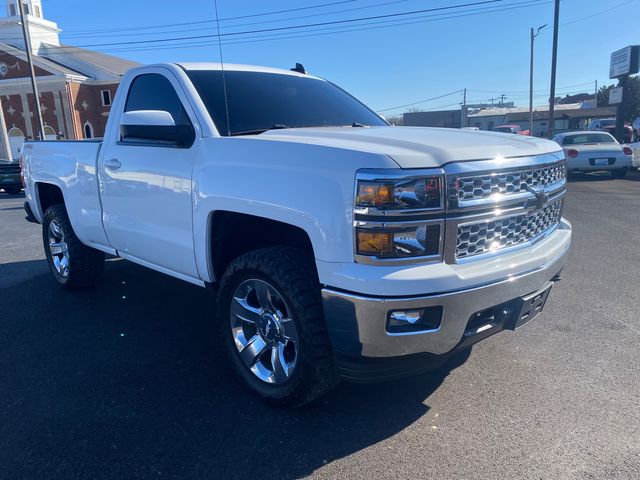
(635, 126)
(635, 148)
(595, 151)
(340, 247)
(609, 125)
(10, 180)
(515, 129)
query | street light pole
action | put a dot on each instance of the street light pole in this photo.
(533, 36)
(27, 47)
(554, 61)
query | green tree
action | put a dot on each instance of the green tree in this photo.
(631, 107)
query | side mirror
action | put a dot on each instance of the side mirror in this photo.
(155, 127)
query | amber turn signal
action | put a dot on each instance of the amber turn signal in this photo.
(374, 243)
(374, 194)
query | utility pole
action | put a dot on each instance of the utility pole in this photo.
(5, 134)
(502, 97)
(533, 36)
(554, 61)
(463, 119)
(595, 95)
(27, 45)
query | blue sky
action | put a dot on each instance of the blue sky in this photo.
(484, 48)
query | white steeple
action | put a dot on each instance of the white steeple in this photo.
(30, 7)
(40, 30)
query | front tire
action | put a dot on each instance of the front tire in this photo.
(270, 315)
(74, 265)
(12, 190)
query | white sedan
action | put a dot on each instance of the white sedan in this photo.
(594, 151)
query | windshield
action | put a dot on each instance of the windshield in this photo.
(588, 138)
(503, 129)
(607, 123)
(260, 101)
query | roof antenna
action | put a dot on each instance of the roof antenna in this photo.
(299, 68)
(224, 80)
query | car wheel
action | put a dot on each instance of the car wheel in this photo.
(73, 264)
(619, 173)
(270, 315)
(12, 190)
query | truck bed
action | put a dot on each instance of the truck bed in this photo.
(71, 165)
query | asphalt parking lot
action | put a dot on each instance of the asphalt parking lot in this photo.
(127, 381)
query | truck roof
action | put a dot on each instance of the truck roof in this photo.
(235, 67)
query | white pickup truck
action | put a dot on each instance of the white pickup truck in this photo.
(340, 247)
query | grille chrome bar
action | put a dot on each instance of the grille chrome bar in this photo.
(498, 233)
(486, 188)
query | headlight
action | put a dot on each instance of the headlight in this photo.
(400, 194)
(399, 216)
(397, 242)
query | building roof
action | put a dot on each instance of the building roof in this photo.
(91, 63)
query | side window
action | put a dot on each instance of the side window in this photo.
(154, 92)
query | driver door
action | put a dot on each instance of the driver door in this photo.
(146, 187)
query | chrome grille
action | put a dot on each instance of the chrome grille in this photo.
(472, 188)
(476, 238)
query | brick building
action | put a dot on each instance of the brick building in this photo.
(76, 86)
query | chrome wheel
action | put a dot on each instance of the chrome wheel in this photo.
(263, 331)
(59, 249)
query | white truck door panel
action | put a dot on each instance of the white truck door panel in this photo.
(146, 187)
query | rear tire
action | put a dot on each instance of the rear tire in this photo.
(293, 288)
(74, 265)
(620, 173)
(12, 190)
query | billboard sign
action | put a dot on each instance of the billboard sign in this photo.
(615, 95)
(624, 61)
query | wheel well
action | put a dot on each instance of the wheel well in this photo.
(233, 234)
(48, 195)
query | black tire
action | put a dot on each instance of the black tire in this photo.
(86, 264)
(288, 270)
(13, 190)
(619, 173)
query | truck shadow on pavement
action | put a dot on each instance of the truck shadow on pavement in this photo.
(128, 380)
(632, 176)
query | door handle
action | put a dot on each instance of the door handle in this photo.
(113, 164)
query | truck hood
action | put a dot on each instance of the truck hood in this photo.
(419, 147)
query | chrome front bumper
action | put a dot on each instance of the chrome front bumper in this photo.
(357, 323)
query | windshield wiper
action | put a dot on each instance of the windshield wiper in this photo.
(258, 131)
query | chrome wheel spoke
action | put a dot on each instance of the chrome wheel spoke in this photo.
(56, 248)
(263, 292)
(290, 332)
(245, 312)
(280, 369)
(56, 230)
(252, 352)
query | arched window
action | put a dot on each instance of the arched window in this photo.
(88, 130)
(49, 133)
(16, 132)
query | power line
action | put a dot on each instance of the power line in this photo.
(335, 30)
(320, 31)
(200, 22)
(291, 27)
(418, 102)
(96, 33)
(598, 13)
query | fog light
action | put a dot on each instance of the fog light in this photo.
(418, 320)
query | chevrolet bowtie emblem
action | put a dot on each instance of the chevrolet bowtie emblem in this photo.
(541, 197)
